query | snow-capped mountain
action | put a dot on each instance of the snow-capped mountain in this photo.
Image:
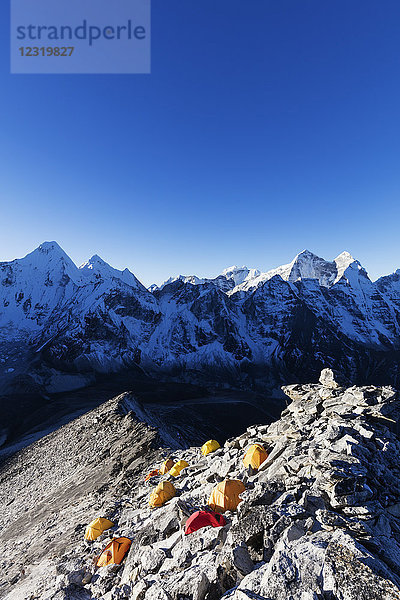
(242, 326)
(193, 279)
(96, 269)
(93, 316)
(227, 281)
(305, 265)
(34, 286)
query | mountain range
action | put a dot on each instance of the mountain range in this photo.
(244, 328)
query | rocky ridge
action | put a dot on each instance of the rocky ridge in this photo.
(48, 489)
(320, 520)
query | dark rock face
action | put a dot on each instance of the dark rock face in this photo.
(319, 520)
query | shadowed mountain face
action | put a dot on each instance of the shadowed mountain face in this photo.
(185, 413)
(60, 325)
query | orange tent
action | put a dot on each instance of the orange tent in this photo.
(225, 496)
(163, 492)
(152, 474)
(114, 552)
(255, 456)
(167, 465)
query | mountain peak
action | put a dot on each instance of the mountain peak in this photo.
(344, 262)
(49, 256)
(99, 269)
(229, 271)
(345, 259)
(344, 256)
(47, 247)
(94, 261)
(307, 265)
(97, 258)
(306, 254)
(52, 250)
(239, 274)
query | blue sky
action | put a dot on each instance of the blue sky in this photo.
(264, 128)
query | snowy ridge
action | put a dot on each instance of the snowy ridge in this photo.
(241, 326)
(305, 265)
(228, 280)
(96, 269)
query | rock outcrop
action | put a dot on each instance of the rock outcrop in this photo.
(319, 520)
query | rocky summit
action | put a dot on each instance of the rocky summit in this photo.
(319, 520)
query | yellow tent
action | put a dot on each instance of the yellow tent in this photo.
(96, 528)
(163, 492)
(209, 446)
(167, 465)
(225, 496)
(177, 468)
(255, 456)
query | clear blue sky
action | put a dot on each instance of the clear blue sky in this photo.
(265, 127)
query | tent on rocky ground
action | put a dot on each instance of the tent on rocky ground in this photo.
(209, 446)
(96, 528)
(225, 495)
(152, 474)
(114, 552)
(163, 492)
(255, 456)
(167, 465)
(203, 518)
(178, 467)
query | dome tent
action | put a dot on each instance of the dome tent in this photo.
(96, 528)
(225, 495)
(114, 553)
(166, 466)
(203, 518)
(163, 492)
(255, 456)
(178, 467)
(209, 447)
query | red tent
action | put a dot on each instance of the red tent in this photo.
(203, 518)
